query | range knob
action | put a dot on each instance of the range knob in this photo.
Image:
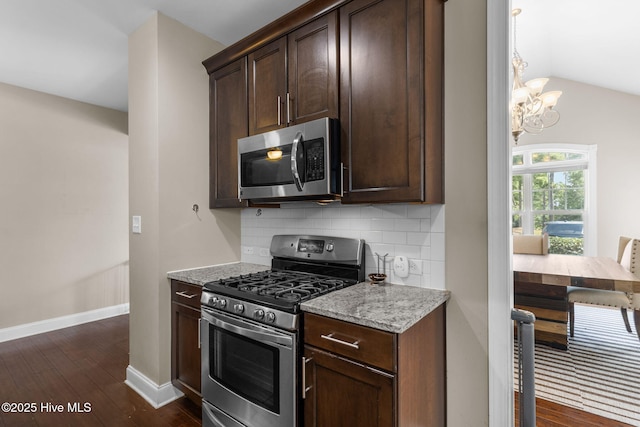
(222, 303)
(213, 301)
(330, 247)
(259, 314)
(271, 317)
(238, 308)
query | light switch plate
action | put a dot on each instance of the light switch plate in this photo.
(136, 224)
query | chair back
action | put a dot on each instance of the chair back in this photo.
(629, 254)
(531, 244)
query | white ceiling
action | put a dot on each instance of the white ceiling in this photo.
(78, 48)
(591, 41)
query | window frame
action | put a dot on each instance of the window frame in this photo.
(528, 169)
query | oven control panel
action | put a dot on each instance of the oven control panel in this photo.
(251, 311)
(340, 250)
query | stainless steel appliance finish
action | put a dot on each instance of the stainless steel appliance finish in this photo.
(296, 163)
(250, 330)
(251, 371)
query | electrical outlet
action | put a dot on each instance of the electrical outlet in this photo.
(401, 266)
(415, 266)
(247, 250)
(264, 252)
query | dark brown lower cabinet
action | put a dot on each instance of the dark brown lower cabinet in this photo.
(345, 393)
(185, 339)
(355, 376)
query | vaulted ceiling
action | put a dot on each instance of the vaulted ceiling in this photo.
(78, 48)
(590, 41)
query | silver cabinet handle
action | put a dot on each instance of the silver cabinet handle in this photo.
(343, 169)
(279, 110)
(199, 334)
(186, 295)
(348, 344)
(305, 389)
(288, 112)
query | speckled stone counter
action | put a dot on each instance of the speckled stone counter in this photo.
(391, 308)
(200, 276)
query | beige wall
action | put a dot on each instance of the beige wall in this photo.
(63, 192)
(466, 212)
(168, 166)
(607, 118)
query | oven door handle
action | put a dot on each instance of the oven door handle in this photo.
(246, 330)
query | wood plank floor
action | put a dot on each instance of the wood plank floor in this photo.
(78, 365)
(87, 363)
(550, 414)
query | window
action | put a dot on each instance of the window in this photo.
(553, 192)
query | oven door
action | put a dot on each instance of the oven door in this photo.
(301, 161)
(248, 370)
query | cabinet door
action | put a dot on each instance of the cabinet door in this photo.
(185, 344)
(312, 69)
(381, 100)
(267, 87)
(228, 122)
(342, 393)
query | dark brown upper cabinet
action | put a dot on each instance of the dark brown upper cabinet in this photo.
(227, 123)
(294, 78)
(267, 86)
(377, 65)
(390, 100)
(313, 70)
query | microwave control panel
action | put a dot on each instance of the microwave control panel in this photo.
(314, 165)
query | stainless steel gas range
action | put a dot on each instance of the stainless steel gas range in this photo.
(251, 330)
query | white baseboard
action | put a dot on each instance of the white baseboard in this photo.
(156, 395)
(28, 329)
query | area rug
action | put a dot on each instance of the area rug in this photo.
(599, 373)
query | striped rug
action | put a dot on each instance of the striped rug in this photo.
(599, 373)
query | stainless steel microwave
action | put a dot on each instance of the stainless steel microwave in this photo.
(300, 162)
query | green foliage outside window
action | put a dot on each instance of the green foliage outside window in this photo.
(566, 245)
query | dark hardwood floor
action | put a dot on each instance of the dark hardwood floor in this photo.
(75, 366)
(550, 414)
(87, 363)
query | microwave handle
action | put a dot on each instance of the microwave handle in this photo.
(294, 160)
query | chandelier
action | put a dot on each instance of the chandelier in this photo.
(531, 109)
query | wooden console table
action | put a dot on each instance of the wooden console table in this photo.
(541, 281)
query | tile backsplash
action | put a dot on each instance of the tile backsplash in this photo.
(415, 231)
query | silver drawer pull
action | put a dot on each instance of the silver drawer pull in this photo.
(348, 344)
(183, 294)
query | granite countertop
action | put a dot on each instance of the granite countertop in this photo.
(202, 275)
(388, 307)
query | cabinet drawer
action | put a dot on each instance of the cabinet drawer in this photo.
(186, 293)
(363, 344)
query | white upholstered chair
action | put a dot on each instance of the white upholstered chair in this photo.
(628, 257)
(537, 244)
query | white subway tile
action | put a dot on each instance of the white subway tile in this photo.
(380, 224)
(407, 225)
(371, 236)
(425, 225)
(416, 231)
(437, 218)
(437, 275)
(419, 238)
(419, 211)
(394, 211)
(394, 237)
(410, 251)
(437, 246)
(425, 253)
